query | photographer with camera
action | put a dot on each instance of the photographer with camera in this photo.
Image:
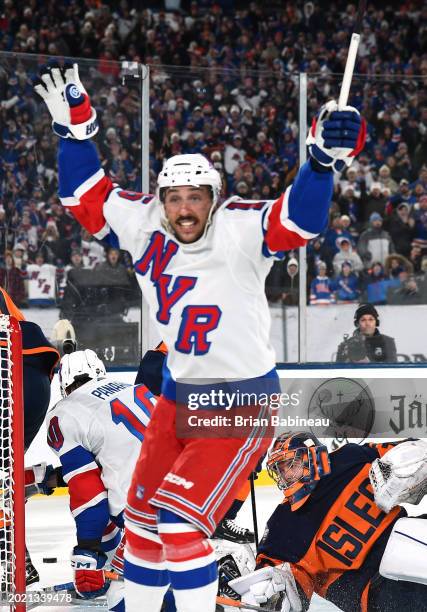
(367, 344)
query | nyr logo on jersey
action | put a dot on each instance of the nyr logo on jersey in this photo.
(197, 321)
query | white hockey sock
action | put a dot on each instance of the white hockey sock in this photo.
(145, 584)
(146, 576)
(196, 600)
(190, 562)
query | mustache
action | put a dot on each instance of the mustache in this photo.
(187, 218)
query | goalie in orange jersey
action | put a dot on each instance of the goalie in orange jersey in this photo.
(330, 535)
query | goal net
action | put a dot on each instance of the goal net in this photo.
(12, 496)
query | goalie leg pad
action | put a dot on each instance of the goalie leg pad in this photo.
(405, 555)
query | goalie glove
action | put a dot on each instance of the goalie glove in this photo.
(67, 101)
(89, 580)
(267, 584)
(400, 476)
(336, 137)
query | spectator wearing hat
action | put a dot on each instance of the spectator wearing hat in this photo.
(347, 253)
(317, 251)
(11, 280)
(401, 227)
(290, 296)
(20, 256)
(234, 154)
(375, 202)
(375, 284)
(384, 177)
(350, 181)
(76, 263)
(347, 285)
(335, 231)
(367, 344)
(375, 243)
(322, 287)
(347, 225)
(282, 284)
(56, 248)
(395, 264)
(403, 195)
(350, 204)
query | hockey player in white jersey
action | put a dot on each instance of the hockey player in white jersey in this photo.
(97, 430)
(201, 265)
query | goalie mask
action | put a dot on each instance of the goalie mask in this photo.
(79, 367)
(193, 170)
(296, 463)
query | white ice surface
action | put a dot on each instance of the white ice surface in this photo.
(51, 533)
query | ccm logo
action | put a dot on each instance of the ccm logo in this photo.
(174, 479)
(91, 127)
(82, 565)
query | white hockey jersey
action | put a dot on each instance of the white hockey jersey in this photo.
(97, 432)
(207, 297)
(41, 284)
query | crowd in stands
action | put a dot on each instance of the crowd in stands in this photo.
(224, 82)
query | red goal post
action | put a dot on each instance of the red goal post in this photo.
(12, 481)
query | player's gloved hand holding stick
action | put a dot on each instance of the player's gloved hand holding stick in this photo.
(89, 577)
(67, 101)
(336, 136)
(339, 133)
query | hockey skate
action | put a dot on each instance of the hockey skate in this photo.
(228, 530)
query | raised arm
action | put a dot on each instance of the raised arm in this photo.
(301, 213)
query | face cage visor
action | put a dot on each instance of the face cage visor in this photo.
(297, 472)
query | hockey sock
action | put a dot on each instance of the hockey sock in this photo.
(191, 563)
(146, 577)
(111, 540)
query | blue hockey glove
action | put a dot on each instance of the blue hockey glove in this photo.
(336, 137)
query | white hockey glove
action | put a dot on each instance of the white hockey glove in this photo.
(400, 476)
(67, 101)
(336, 137)
(260, 586)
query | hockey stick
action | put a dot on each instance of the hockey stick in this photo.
(68, 586)
(351, 57)
(232, 603)
(254, 515)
